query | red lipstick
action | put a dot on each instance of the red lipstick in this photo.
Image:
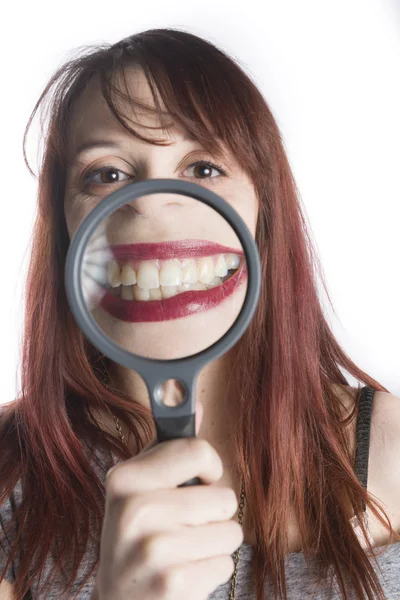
(169, 250)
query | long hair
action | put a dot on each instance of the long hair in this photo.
(290, 433)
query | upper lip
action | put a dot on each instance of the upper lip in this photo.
(168, 250)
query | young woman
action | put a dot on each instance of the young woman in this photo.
(90, 506)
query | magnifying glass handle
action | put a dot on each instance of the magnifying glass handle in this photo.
(172, 428)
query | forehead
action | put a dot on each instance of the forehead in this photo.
(91, 112)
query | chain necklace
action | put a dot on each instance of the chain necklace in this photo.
(240, 516)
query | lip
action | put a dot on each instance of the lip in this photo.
(181, 305)
(169, 250)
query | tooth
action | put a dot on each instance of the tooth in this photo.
(216, 281)
(170, 274)
(155, 294)
(232, 261)
(185, 287)
(140, 294)
(114, 274)
(220, 266)
(128, 275)
(147, 276)
(206, 270)
(199, 286)
(127, 292)
(189, 272)
(169, 291)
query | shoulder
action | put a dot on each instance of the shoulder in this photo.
(385, 437)
(384, 456)
(384, 449)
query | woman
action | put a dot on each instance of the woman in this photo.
(276, 419)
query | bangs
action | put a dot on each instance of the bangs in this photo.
(182, 96)
(183, 109)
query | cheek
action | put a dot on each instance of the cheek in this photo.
(74, 215)
(246, 204)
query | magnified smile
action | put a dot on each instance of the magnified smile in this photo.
(169, 280)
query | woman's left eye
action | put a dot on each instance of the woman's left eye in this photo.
(208, 167)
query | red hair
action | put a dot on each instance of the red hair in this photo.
(290, 439)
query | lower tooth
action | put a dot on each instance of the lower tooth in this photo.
(127, 292)
(155, 294)
(140, 294)
(185, 287)
(199, 286)
(169, 290)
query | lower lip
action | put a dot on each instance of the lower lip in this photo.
(181, 305)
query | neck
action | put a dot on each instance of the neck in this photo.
(211, 390)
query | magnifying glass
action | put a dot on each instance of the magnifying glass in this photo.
(163, 276)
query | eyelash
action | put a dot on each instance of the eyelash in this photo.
(203, 163)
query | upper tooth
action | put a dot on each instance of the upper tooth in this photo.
(232, 261)
(170, 274)
(216, 281)
(114, 274)
(128, 276)
(189, 272)
(206, 270)
(220, 267)
(147, 276)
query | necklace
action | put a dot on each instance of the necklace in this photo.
(240, 516)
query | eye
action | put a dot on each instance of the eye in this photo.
(108, 175)
(205, 167)
(103, 172)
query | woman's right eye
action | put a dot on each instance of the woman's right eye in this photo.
(102, 171)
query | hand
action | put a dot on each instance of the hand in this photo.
(161, 542)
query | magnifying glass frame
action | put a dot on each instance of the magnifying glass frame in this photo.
(177, 421)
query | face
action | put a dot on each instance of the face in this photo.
(176, 276)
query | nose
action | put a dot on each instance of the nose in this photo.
(146, 206)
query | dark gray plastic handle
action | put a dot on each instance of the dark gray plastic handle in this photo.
(174, 428)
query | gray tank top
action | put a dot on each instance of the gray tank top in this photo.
(301, 579)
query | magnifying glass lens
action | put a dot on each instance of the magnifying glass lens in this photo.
(164, 276)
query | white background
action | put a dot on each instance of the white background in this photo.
(330, 72)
